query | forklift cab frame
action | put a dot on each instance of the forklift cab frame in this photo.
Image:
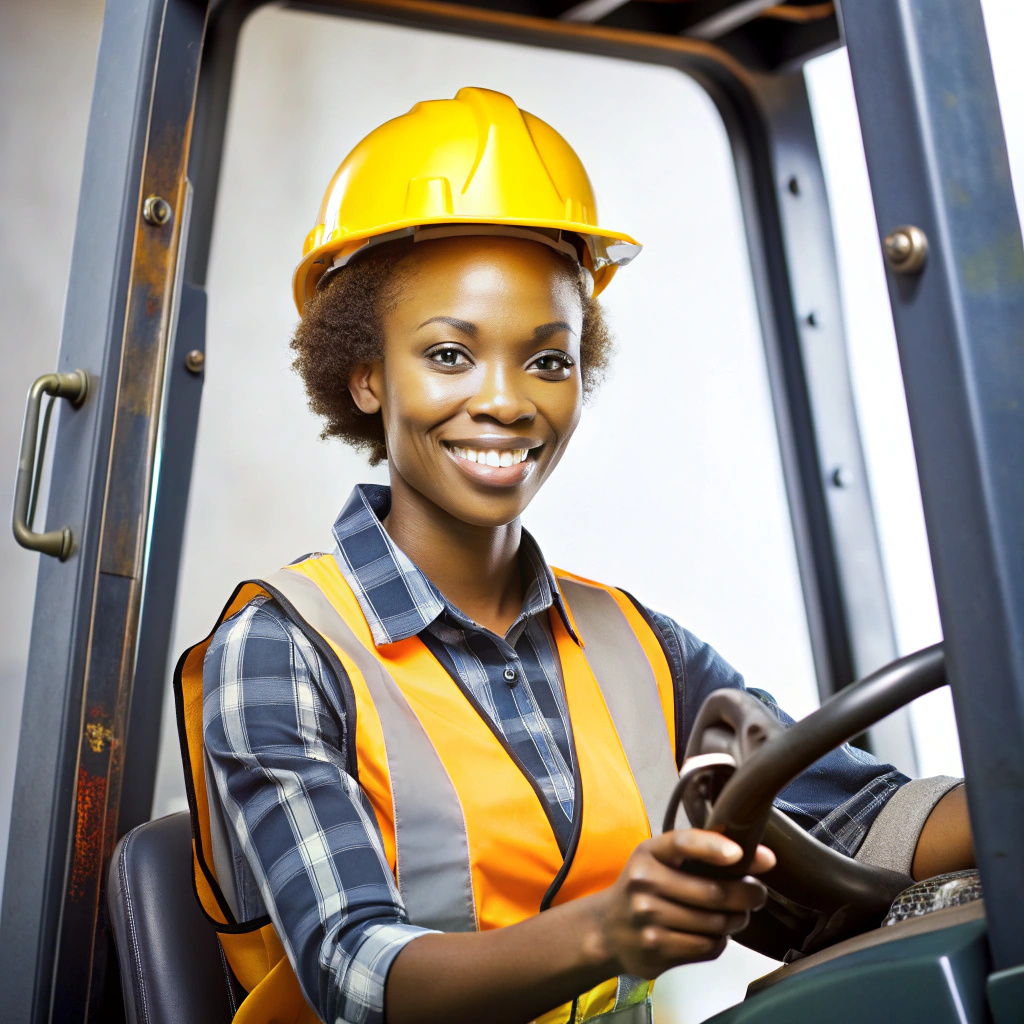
(135, 323)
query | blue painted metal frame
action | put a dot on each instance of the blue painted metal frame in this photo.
(118, 320)
(94, 319)
(952, 326)
(937, 159)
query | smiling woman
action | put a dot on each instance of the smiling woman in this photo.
(403, 751)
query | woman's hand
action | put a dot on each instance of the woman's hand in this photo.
(653, 917)
(656, 916)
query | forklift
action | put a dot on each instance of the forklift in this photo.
(129, 380)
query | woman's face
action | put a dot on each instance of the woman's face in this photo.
(480, 386)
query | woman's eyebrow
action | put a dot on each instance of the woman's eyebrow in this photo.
(460, 325)
(541, 333)
(545, 331)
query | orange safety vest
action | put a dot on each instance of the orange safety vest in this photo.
(464, 831)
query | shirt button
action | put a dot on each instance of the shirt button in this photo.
(510, 675)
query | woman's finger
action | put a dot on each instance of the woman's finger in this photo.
(764, 860)
(682, 844)
(649, 875)
(672, 848)
(650, 909)
(669, 948)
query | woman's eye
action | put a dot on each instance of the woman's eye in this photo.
(553, 365)
(447, 356)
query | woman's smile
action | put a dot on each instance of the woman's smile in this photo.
(495, 461)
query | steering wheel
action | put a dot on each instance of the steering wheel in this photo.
(739, 757)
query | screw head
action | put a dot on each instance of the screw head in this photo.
(156, 211)
(905, 249)
(195, 361)
(842, 477)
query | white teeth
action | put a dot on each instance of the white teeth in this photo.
(491, 457)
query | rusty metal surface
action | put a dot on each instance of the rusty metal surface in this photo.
(80, 992)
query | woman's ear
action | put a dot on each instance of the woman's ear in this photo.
(362, 387)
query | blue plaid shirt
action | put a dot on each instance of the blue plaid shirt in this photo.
(307, 848)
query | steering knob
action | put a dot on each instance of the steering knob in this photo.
(700, 783)
(740, 757)
(731, 726)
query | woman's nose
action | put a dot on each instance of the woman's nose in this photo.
(501, 397)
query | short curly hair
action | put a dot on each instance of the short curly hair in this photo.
(342, 327)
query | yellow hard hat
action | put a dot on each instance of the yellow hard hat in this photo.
(476, 164)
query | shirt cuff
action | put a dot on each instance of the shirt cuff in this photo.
(361, 976)
(891, 842)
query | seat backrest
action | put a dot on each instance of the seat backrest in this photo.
(173, 969)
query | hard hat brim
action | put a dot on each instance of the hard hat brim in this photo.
(608, 250)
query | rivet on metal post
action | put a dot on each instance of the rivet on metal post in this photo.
(195, 361)
(156, 211)
(842, 477)
(906, 249)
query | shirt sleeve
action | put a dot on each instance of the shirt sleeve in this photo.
(837, 799)
(307, 848)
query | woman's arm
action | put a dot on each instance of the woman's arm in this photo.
(307, 849)
(946, 842)
(652, 918)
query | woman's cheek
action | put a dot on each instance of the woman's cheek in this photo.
(440, 395)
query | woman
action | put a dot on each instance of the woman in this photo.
(402, 751)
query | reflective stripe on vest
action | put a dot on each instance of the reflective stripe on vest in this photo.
(444, 817)
(430, 835)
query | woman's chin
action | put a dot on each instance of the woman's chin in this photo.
(485, 512)
(472, 498)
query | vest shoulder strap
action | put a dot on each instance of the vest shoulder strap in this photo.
(635, 680)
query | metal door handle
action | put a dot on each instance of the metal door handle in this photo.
(72, 386)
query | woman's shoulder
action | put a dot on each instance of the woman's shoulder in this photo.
(694, 662)
(261, 641)
(668, 631)
(259, 618)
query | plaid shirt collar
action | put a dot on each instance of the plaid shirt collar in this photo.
(395, 596)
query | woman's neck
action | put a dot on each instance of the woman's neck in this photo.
(475, 567)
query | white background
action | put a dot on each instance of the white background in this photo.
(672, 488)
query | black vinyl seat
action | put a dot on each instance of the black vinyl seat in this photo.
(173, 969)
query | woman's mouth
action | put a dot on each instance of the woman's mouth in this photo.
(490, 456)
(500, 467)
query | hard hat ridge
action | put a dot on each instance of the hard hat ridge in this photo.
(476, 159)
